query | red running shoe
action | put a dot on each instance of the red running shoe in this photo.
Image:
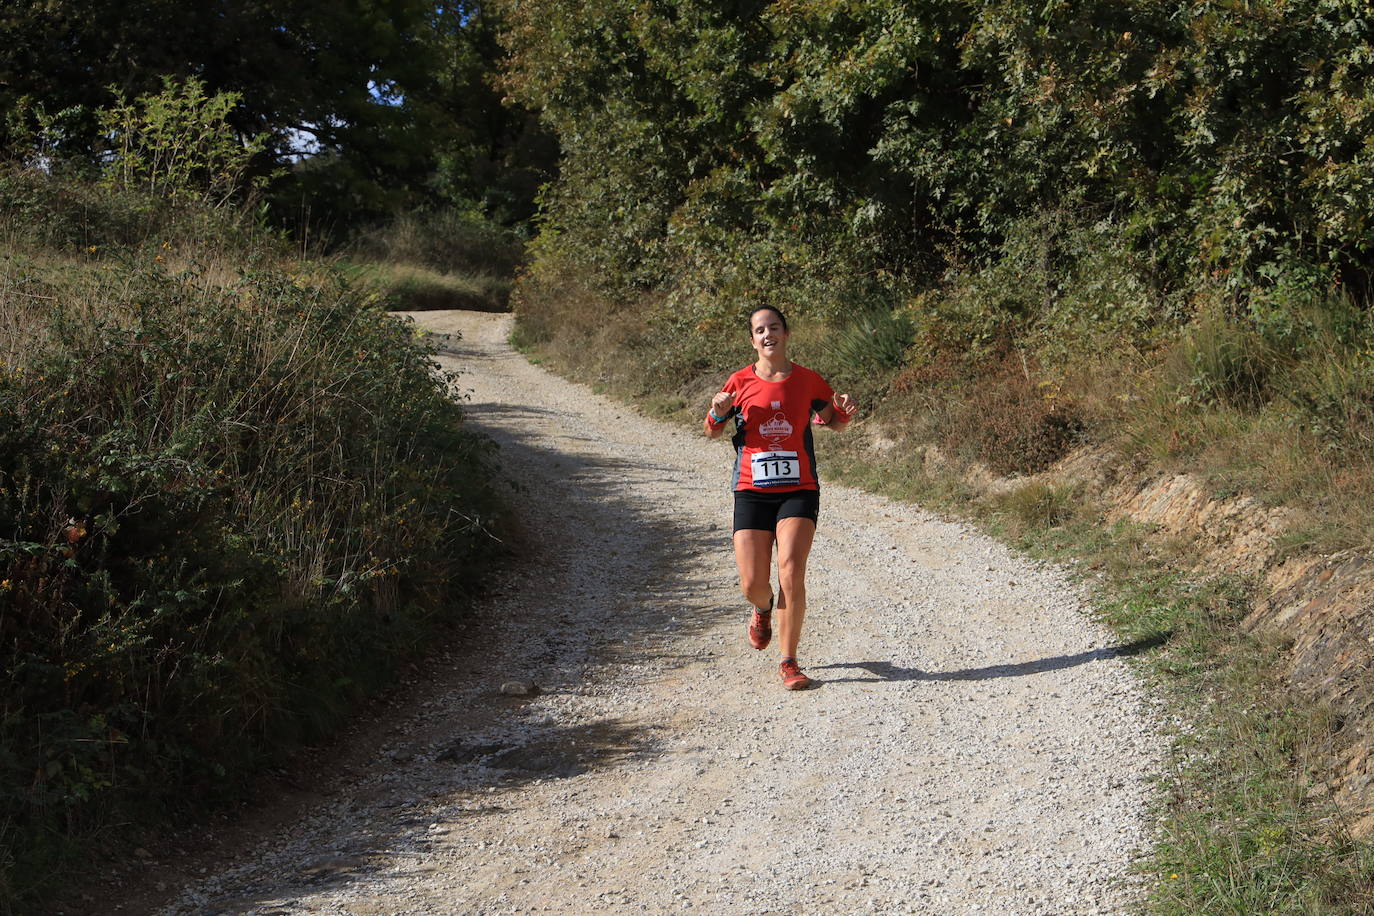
(761, 627)
(792, 677)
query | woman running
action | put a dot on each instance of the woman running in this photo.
(777, 495)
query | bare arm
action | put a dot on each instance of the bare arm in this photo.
(720, 406)
(838, 412)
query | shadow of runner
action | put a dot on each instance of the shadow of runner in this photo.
(886, 671)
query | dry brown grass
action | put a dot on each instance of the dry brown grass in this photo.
(407, 287)
(1291, 426)
(1002, 412)
(562, 319)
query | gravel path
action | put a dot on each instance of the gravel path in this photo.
(975, 743)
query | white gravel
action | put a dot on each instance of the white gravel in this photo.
(974, 744)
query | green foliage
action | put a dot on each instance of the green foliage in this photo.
(296, 65)
(489, 156)
(62, 213)
(178, 143)
(1096, 164)
(39, 137)
(393, 103)
(233, 499)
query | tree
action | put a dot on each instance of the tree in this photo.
(393, 95)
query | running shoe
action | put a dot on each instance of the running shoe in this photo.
(792, 677)
(761, 626)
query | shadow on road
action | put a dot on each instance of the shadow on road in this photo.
(886, 671)
(398, 849)
(604, 578)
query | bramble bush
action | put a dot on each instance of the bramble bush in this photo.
(234, 497)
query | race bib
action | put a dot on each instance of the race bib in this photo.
(775, 469)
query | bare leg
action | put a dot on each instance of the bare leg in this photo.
(754, 557)
(794, 547)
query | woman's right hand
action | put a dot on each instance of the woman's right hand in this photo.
(722, 402)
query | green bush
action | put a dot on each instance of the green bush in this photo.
(178, 144)
(1081, 173)
(62, 213)
(230, 509)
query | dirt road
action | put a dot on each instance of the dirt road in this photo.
(975, 743)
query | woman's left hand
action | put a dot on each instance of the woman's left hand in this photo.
(845, 405)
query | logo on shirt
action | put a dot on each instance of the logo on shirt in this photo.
(776, 430)
(777, 405)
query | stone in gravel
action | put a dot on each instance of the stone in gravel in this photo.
(519, 689)
(324, 866)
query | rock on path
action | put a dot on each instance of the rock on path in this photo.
(975, 743)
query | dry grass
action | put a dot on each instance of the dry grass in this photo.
(446, 242)
(22, 331)
(1297, 429)
(614, 346)
(408, 287)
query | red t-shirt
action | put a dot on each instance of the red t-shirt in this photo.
(774, 451)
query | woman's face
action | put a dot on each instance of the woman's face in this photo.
(767, 334)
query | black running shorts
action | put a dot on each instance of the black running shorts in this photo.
(761, 511)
